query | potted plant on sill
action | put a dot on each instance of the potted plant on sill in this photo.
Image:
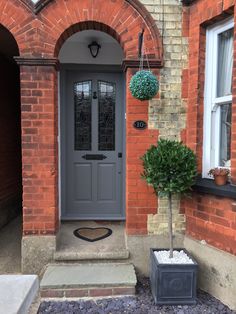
(220, 175)
(170, 167)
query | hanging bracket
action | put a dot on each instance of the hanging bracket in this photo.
(140, 43)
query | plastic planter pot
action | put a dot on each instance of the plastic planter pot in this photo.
(173, 283)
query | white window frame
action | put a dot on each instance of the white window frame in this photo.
(211, 130)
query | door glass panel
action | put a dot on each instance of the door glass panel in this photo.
(83, 112)
(106, 115)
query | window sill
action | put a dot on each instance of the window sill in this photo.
(208, 186)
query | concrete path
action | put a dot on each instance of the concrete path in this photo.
(10, 247)
(17, 292)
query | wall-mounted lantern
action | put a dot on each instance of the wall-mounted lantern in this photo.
(94, 48)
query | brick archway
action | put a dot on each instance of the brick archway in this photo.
(82, 26)
(121, 19)
(57, 20)
(62, 19)
(124, 26)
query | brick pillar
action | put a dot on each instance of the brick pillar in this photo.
(140, 199)
(39, 123)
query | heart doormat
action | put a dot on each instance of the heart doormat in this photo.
(92, 234)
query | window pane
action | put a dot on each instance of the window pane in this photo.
(225, 134)
(82, 102)
(225, 63)
(106, 115)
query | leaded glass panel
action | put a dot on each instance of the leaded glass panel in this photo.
(106, 115)
(83, 115)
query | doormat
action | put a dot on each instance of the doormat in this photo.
(92, 234)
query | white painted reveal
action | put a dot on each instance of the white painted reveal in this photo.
(75, 49)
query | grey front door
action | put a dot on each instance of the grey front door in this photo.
(93, 143)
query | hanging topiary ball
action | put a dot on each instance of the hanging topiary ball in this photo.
(144, 85)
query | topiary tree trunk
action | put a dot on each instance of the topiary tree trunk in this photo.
(170, 223)
(171, 168)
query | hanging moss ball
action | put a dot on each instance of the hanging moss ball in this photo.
(144, 85)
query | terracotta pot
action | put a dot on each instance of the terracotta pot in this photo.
(221, 179)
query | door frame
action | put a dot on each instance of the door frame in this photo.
(62, 124)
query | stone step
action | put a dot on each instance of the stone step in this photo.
(64, 255)
(17, 293)
(88, 280)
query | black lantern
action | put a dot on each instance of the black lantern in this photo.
(94, 48)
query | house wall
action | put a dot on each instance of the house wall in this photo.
(210, 218)
(39, 44)
(10, 146)
(167, 113)
(175, 44)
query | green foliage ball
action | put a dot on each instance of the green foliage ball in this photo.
(170, 167)
(144, 85)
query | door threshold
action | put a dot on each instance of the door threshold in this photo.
(72, 218)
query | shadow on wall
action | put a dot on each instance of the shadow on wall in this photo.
(10, 130)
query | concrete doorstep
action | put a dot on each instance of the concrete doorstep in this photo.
(17, 293)
(88, 280)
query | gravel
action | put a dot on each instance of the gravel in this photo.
(179, 257)
(142, 303)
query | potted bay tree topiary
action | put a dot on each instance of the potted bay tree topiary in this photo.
(170, 167)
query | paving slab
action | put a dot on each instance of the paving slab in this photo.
(89, 275)
(17, 292)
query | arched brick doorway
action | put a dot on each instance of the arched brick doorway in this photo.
(10, 155)
(92, 126)
(56, 21)
(126, 34)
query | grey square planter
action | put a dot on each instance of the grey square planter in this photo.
(173, 283)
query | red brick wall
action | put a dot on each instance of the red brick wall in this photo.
(213, 219)
(140, 199)
(39, 149)
(10, 147)
(209, 217)
(41, 36)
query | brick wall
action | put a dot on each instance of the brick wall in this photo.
(140, 199)
(41, 36)
(39, 149)
(212, 219)
(167, 113)
(10, 147)
(181, 89)
(208, 217)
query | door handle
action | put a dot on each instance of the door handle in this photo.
(119, 155)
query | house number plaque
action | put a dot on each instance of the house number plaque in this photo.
(140, 125)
